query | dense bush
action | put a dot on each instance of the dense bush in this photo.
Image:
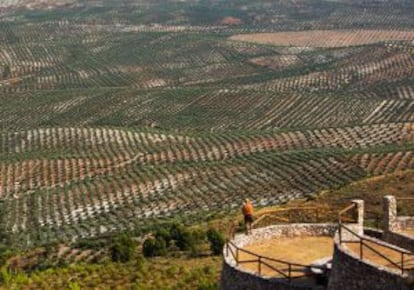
(92, 244)
(153, 247)
(176, 237)
(185, 240)
(122, 248)
(208, 285)
(5, 253)
(216, 240)
(163, 234)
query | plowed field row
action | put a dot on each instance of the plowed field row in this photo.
(159, 147)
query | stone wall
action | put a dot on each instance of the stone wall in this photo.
(400, 240)
(405, 222)
(393, 222)
(234, 279)
(285, 230)
(397, 239)
(350, 273)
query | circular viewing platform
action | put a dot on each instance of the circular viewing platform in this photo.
(284, 256)
(304, 250)
(336, 255)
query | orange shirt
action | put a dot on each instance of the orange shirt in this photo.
(248, 209)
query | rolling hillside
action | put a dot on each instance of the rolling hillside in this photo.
(120, 115)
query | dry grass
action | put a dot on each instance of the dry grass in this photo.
(299, 250)
(325, 38)
(408, 232)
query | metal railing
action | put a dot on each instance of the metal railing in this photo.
(406, 258)
(405, 198)
(348, 214)
(286, 270)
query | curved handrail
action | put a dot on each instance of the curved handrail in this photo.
(405, 198)
(316, 213)
(287, 272)
(346, 210)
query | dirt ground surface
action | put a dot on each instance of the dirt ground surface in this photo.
(299, 250)
(393, 257)
(408, 232)
(325, 38)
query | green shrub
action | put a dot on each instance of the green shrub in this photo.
(216, 240)
(184, 239)
(74, 286)
(164, 234)
(208, 285)
(92, 244)
(5, 253)
(154, 247)
(140, 264)
(6, 277)
(122, 249)
(175, 231)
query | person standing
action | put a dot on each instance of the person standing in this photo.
(247, 210)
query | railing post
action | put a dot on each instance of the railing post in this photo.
(361, 252)
(237, 256)
(227, 248)
(402, 263)
(260, 266)
(340, 233)
(290, 272)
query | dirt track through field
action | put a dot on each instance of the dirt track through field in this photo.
(326, 38)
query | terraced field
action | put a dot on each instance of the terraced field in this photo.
(119, 115)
